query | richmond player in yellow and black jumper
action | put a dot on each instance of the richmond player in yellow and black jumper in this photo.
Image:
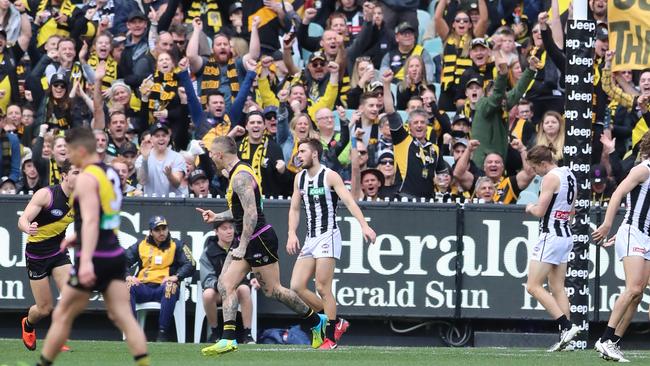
(100, 263)
(45, 220)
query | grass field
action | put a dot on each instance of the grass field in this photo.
(13, 353)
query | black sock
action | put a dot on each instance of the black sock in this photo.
(29, 327)
(229, 330)
(563, 322)
(142, 360)
(214, 330)
(322, 312)
(330, 330)
(311, 318)
(615, 338)
(247, 332)
(608, 334)
(44, 362)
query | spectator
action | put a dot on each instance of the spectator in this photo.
(55, 108)
(395, 59)
(487, 123)
(396, 12)
(101, 141)
(135, 48)
(163, 264)
(212, 263)
(447, 189)
(602, 187)
(7, 186)
(31, 181)
(507, 188)
(521, 126)
(485, 190)
(129, 152)
(482, 67)
(10, 162)
(416, 158)
(414, 79)
(199, 184)
(551, 133)
(334, 143)
(386, 165)
(161, 170)
(457, 43)
(121, 167)
(48, 167)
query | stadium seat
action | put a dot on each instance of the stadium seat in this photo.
(530, 194)
(432, 8)
(393, 90)
(433, 46)
(199, 314)
(142, 309)
(404, 115)
(315, 30)
(424, 18)
(438, 90)
(449, 160)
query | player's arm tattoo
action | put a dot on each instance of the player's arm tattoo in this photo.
(224, 216)
(243, 187)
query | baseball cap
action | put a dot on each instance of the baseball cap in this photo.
(376, 173)
(270, 109)
(443, 168)
(404, 27)
(159, 126)
(318, 55)
(459, 117)
(460, 141)
(58, 79)
(474, 80)
(136, 14)
(480, 42)
(128, 147)
(383, 154)
(470, 5)
(196, 175)
(374, 85)
(602, 33)
(598, 173)
(218, 223)
(119, 83)
(156, 221)
(234, 7)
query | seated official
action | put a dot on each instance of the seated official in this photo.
(213, 263)
(162, 265)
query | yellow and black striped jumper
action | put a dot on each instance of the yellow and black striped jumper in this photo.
(42, 249)
(455, 60)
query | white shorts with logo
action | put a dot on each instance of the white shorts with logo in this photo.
(630, 241)
(552, 249)
(327, 245)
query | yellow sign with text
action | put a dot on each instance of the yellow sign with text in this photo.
(629, 33)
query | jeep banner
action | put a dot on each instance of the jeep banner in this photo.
(410, 272)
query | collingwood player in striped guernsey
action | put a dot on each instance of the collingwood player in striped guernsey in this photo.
(632, 243)
(548, 260)
(320, 188)
(45, 220)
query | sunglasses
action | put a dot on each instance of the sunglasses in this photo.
(386, 162)
(58, 86)
(461, 20)
(318, 64)
(180, 43)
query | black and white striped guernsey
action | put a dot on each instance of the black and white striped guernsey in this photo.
(558, 213)
(638, 205)
(320, 202)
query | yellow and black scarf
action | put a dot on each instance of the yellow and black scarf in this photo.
(212, 77)
(256, 160)
(55, 173)
(294, 165)
(163, 91)
(51, 27)
(111, 69)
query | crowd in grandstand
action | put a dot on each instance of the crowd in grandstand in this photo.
(410, 99)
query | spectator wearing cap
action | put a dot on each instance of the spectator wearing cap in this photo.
(129, 151)
(482, 67)
(386, 165)
(136, 46)
(602, 187)
(298, 99)
(488, 125)
(406, 46)
(458, 146)
(199, 184)
(265, 157)
(447, 189)
(457, 43)
(236, 26)
(315, 77)
(416, 158)
(212, 262)
(507, 187)
(55, 110)
(10, 161)
(161, 169)
(30, 180)
(216, 120)
(162, 264)
(7, 186)
(121, 167)
(270, 121)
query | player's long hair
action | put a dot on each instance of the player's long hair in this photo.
(541, 153)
